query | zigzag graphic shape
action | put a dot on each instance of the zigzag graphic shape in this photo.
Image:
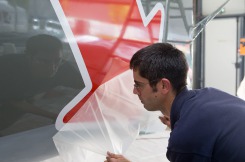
(147, 18)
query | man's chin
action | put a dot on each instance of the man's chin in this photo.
(147, 108)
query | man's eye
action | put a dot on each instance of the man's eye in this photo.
(136, 85)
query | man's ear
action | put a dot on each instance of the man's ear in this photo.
(165, 85)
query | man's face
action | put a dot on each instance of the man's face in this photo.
(45, 64)
(152, 100)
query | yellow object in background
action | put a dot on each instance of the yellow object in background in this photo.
(242, 46)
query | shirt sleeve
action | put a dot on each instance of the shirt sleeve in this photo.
(186, 157)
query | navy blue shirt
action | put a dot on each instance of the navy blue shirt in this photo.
(207, 125)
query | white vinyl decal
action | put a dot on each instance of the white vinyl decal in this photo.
(80, 62)
(146, 19)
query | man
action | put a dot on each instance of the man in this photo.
(38, 71)
(207, 125)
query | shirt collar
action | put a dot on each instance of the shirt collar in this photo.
(179, 100)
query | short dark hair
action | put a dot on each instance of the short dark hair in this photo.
(161, 60)
(42, 42)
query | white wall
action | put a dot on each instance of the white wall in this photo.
(220, 55)
(221, 44)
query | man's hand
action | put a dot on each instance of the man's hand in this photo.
(115, 158)
(165, 120)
